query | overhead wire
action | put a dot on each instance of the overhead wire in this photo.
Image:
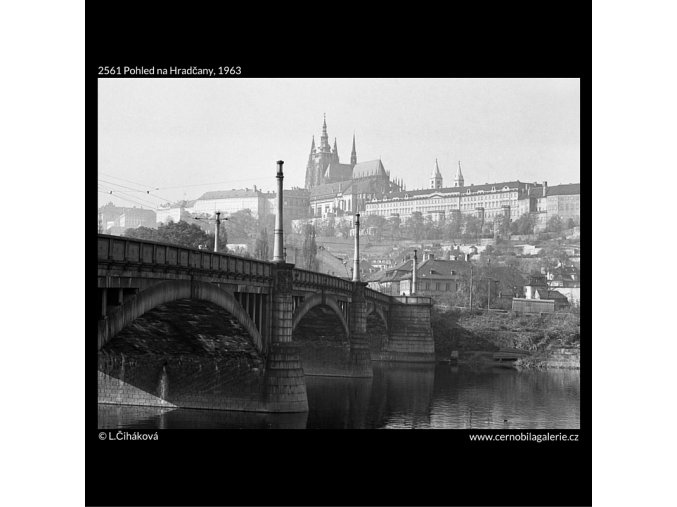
(214, 183)
(147, 193)
(148, 202)
(183, 186)
(128, 181)
(136, 190)
(126, 199)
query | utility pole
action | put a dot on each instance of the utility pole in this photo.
(471, 287)
(218, 226)
(356, 262)
(488, 293)
(216, 233)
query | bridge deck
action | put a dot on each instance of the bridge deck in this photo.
(121, 254)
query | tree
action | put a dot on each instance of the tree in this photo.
(429, 228)
(177, 233)
(330, 230)
(395, 223)
(377, 222)
(415, 226)
(452, 227)
(555, 224)
(344, 228)
(261, 248)
(502, 226)
(144, 233)
(472, 226)
(243, 226)
(523, 225)
(309, 248)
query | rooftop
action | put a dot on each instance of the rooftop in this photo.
(567, 189)
(369, 168)
(228, 194)
(489, 187)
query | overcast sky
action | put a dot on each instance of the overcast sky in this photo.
(189, 136)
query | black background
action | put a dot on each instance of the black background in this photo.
(339, 467)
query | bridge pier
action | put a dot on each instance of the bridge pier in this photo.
(360, 356)
(410, 337)
(285, 385)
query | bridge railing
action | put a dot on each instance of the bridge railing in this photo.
(376, 295)
(314, 279)
(413, 300)
(136, 251)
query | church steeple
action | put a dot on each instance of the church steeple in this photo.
(310, 168)
(458, 180)
(324, 138)
(353, 154)
(335, 156)
(436, 177)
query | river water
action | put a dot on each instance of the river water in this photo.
(398, 396)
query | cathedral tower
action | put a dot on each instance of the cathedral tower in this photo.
(310, 167)
(436, 177)
(320, 158)
(458, 180)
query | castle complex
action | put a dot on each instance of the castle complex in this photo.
(343, 188)
(337, 188)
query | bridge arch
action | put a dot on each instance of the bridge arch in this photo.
(171, 290)
(373, 309)
(317, 300)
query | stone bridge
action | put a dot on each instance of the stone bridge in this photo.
(180, 327)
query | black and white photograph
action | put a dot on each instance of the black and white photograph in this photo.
(337, 253)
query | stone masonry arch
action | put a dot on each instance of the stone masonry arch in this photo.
(169, 291)
(317, 300)
(373, 309)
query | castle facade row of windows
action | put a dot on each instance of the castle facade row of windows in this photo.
(492, 202)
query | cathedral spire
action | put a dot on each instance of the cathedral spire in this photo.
(335, 148)
(458, 180)
(436, 177)
(312, 146)
(436, 171)
(324, 138)
(353, 154)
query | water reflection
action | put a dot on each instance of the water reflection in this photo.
(125, 416)
(504, 398)
(398, 396)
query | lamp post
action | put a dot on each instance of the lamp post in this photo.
(216, 232)
(413, 274)
(356, 262)
(278, 250)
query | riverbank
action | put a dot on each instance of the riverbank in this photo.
(552, 340)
